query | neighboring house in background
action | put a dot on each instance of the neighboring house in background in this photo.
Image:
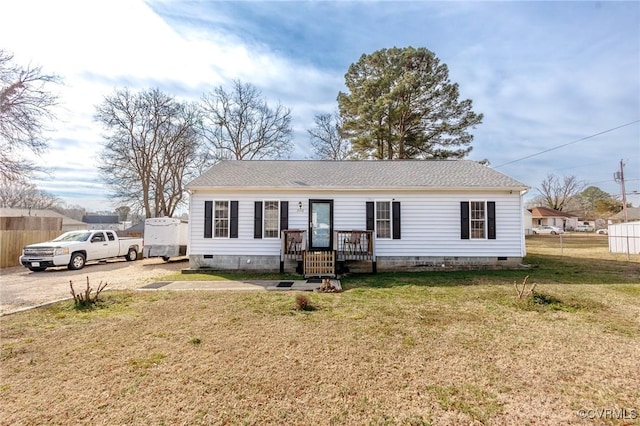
(546, 216)
(356, 215)
(98, 221)
(68, 224)
(527, 222)
(136, 230)
(633, 214)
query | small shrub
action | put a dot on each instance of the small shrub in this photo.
(195, 341)
(303, 303)
(520, 290)
(86, 300)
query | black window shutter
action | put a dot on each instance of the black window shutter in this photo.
(370, 216)
(491, 219)
(257, 220)
(233, 227)
(284, 215)
(208, 219)
(396, 219)
(464, 220)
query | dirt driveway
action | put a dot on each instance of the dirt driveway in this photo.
(21, 289)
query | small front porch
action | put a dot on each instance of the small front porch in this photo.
(348, 245)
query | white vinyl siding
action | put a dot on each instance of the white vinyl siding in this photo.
(430, 222)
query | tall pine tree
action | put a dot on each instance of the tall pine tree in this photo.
(400, 104)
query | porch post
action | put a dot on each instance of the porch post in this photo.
(282, 249)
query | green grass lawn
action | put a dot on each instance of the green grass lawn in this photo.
(392, 349)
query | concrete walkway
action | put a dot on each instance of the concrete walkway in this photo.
(273, 285)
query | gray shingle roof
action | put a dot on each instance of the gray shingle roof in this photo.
(633, 213)
(352, 175)
(100, 219)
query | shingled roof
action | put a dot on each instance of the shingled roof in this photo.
(435, 174)
(547, 212)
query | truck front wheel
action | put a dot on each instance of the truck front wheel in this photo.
(132, 255)
(77, 261)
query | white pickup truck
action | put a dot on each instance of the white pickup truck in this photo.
(73, 249)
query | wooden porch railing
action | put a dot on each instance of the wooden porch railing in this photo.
(294, 244)
(354, 245)
(347, 245)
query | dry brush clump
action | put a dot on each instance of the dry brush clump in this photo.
(85, 300)
(303, 303)
(522, 289)
(529, 299)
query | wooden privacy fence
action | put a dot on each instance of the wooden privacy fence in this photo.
(12, 242)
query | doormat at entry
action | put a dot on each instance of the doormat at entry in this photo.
(157, 284)
(314, 281)
(285, 284)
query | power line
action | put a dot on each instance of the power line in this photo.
(568, 143)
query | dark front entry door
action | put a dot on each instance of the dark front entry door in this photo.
(320, 224)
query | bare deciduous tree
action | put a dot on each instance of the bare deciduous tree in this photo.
(24, 195)
(152, 149)
(327, 139)
(123, 213)
(558, 193)
(25, 107)
(74, 211)
(240, 125)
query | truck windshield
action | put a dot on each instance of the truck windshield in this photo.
(74, 236)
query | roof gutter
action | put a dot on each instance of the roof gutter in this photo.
(522, 189)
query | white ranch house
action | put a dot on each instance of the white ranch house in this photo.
(327, 217)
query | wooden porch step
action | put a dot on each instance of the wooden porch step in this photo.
(319, 263)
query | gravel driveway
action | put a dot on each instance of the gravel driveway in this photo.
(22, 289)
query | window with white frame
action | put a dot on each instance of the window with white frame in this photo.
(271, 219)
(383, 219)
(221, 219)
(478, 219)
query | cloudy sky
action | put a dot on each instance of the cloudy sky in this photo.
(545, 75)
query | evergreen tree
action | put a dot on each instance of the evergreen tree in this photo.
(400, 104)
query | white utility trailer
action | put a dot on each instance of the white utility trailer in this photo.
(165, 237)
